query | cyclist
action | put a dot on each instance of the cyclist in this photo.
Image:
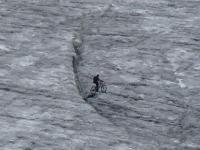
(96, 81)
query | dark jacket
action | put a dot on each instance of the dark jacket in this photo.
(95, 79)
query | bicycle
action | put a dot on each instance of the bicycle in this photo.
(102, 87)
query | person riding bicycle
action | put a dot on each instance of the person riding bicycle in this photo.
(96, 81)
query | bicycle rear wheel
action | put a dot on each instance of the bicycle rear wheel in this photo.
(93, 90)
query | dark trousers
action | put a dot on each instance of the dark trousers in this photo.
(97, 86)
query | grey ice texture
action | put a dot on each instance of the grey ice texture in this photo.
(147, 51)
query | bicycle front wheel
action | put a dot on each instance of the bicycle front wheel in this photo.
(104, 89)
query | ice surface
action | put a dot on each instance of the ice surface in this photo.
(40, 107)
(147, 51)
(149, 58)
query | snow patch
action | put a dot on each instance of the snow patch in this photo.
(3, 72)
(4, 48)
(197, 67)
(181, 84)
(128, 78)
(123, 147)
(24, 61)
